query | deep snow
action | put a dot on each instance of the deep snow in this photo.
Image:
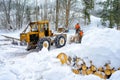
(100, 45)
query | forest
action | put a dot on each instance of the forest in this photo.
(16, 14)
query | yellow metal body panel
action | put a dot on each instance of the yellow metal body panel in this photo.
(23, 37)
(40, 22)
(41, 34)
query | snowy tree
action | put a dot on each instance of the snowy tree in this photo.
(13, 12)
(107, 13)
(20, 12)
(7, 5)
(88, 6)
(111, 12)
(116, 12)
(36, 10)
(28, 14)
(65, 11)
(46, 10)
(57, 14)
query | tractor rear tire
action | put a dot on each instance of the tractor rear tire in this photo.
(43, 42)
(60, 41)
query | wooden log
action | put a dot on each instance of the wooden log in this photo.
(10, 37)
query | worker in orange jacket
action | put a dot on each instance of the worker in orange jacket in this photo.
(77, 27)
(80, 35)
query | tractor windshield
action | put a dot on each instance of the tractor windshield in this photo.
(34, 27)
(45, 26)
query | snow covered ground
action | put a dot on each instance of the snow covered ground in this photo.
(98, 44)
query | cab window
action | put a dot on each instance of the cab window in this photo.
(34, 27)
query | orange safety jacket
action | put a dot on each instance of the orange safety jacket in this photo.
(77, 26)
(81, 33)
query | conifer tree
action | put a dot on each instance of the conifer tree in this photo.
(88, 5)
(116, 12)
(111, 12)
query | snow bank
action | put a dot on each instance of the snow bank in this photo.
(102, 45)
(108, 38)
(115, 76)
(98, 45)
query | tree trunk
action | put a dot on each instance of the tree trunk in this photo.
(7, 10)
(45, 10)
(20, 9)
(57, 14)
(67, 13)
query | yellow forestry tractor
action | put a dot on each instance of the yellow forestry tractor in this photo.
(38, 35)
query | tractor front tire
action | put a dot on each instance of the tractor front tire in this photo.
(43, 42)
(60, 41)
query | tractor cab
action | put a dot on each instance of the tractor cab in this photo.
(41, 27)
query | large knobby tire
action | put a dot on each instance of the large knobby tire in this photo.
(60, 41)
(43, 42)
